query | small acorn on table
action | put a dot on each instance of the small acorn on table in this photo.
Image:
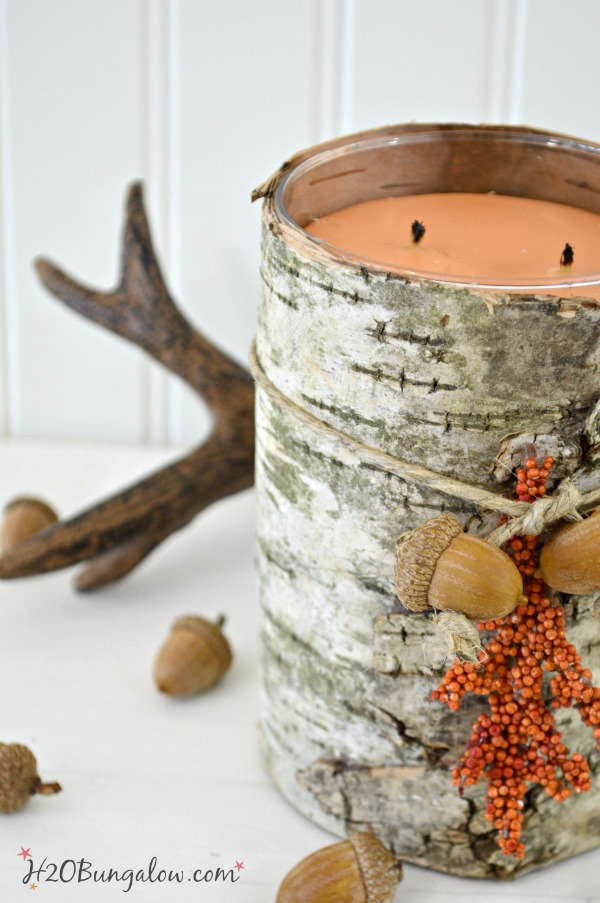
(194, 656)
(23, 518)
(357, 870)
(19, 778)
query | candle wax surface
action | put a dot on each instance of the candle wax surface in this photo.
(487, 239)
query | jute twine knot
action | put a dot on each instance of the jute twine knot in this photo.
(563, 504)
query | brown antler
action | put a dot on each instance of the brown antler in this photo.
(121, 531)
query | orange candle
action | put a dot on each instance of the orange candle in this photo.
(483, 239)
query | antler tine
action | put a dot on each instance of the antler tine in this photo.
(120, 532)
(141, 310)
(142, 286)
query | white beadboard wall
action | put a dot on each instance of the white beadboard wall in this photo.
(202, 99)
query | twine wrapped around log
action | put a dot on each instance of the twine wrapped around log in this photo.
(566, 503)
(382, 402)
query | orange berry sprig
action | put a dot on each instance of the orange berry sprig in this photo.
(531, 479)
(517, 744)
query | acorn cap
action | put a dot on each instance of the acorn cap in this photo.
(19, 779)
(193, 657)
(381, 871)
(417, 554)
(357, 870)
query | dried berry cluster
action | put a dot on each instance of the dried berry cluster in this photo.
(517, 743)
(531, 479)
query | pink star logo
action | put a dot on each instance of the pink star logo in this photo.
(25, 853)
(239, 865)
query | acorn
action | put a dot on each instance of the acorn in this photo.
(23, 518)
(193, 657)
(570, 559)
(357, 870)
(19, 779)
(439, 566)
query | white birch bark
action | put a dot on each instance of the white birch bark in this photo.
(438, 376)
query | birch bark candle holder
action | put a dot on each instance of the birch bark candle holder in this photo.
(364, 377)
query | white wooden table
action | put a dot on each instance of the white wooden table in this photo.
(146, 776)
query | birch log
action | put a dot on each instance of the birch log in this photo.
(439, 376)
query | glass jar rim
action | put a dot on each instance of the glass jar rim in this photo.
(519, 135)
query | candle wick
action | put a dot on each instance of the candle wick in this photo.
(418, 231)
(567, 257)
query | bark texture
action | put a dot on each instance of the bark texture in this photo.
(441, 377)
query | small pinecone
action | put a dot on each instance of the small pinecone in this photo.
(19, 779)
